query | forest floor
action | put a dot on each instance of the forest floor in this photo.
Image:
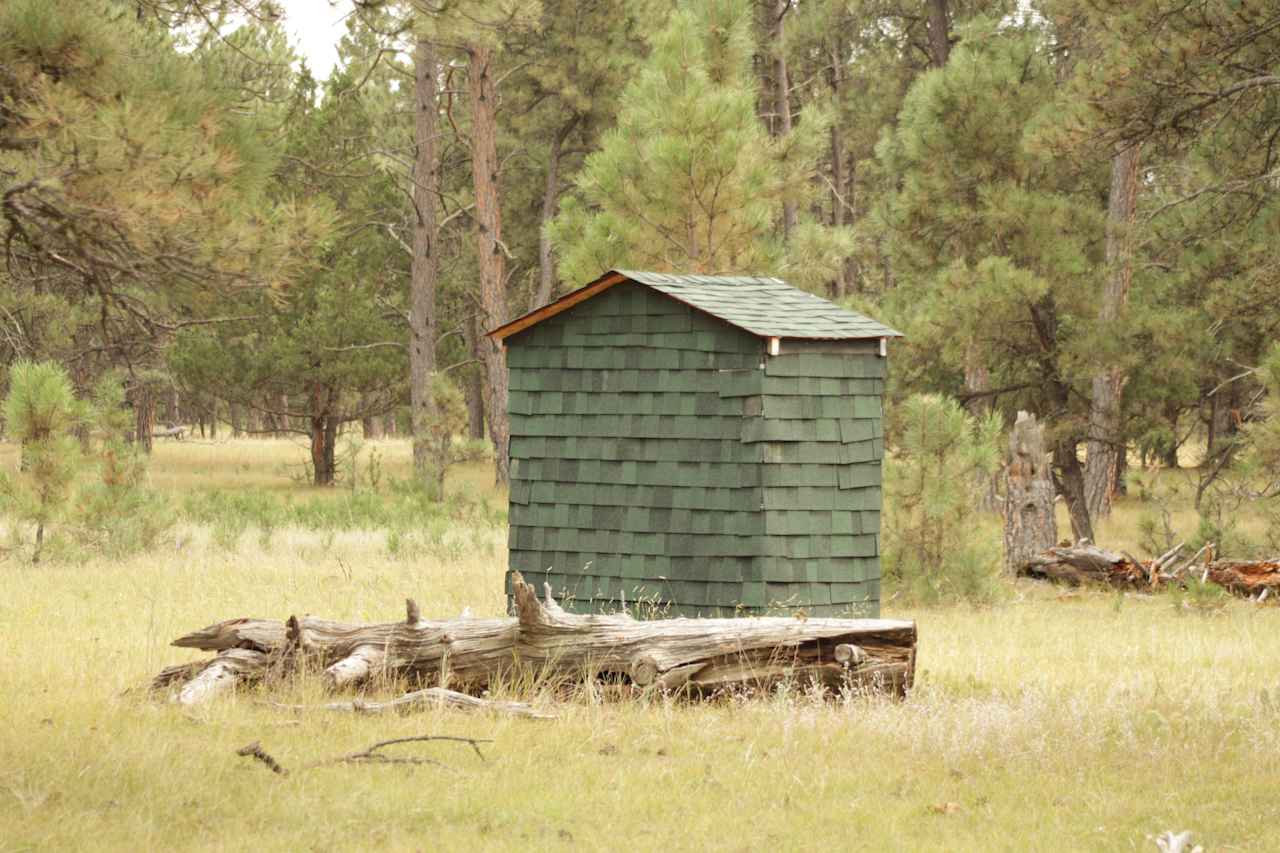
(1055, 720)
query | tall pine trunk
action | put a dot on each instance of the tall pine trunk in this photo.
(1105, 440)
(488, 215)
(838, 199)
(323, 432)
(939, 33)
(550, 197)
(1068, 476)
(144, 415)
(782, 96)
(426, 262)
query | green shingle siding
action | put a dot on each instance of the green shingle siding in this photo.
(654, 459)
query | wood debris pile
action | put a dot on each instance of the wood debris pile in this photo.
(1085, 563)
(698, 655)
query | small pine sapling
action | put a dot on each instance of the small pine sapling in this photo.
(41, 413)
(115, 512)
(935, 545)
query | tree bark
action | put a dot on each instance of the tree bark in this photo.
(426, 262)
(1069, 482)
(471, 654)
(838, 200)
(1030, 525)
(474, 385)
(144, 415)
(323, 429)
(782, 96)
(977, 381)
(488, 215)
(235, 413)
(1106, 443)
(550, 198)
(939, 33)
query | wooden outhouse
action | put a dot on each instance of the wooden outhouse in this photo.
(708, 444)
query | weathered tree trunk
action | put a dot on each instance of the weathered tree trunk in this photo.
(426, 262)
(550, 198)
(835, 75)
(371, 427)
(470, 654)
(1030, 525)
(324, 434)
(1069, 482)
(488, 215)
(235, 413)
(939, 33)
(389, 425)
(1105, 442)
(782, 95)
(474, 386)
(977, 382)
(144, 415)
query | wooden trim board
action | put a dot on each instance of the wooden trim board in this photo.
(551, 309)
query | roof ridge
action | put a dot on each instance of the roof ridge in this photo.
(769, 308)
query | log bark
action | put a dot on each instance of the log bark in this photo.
(702, 655)
(1030, 525)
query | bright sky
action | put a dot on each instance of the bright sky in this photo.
(315, 26)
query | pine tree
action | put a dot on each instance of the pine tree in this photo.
(41, 413)
(689, 179)
(996, 240)
(934, 546)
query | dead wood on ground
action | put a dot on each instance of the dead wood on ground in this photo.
(471, 655)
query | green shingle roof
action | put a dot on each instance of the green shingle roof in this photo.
(767, 307)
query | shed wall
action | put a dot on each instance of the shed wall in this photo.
(659, 456)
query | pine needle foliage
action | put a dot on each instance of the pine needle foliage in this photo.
(41, 413)
(690, 180)
(935, 546)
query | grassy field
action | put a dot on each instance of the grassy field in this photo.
(1053, 721)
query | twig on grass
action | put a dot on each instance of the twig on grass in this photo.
(419, 700)
(254, 750)
(371, 755)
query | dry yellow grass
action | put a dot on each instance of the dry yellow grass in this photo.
(1053, 721)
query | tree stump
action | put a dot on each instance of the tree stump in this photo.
(1030, 527)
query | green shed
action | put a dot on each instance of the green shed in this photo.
(710, 444)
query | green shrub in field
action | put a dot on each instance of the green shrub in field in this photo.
(41, 413)
(115, 512)
(936, 544)
(1198, 596)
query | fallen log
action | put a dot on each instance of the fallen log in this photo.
(1084, 564)
(469, 655)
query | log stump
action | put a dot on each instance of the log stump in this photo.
(1030, 526)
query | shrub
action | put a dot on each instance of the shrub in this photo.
(936, 544)
(41, 412)
(115, 512)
